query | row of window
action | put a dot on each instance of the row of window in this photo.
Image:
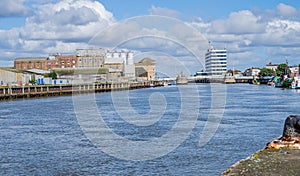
(215, 55)
(209, 63)
(90, 60)
(217, 70)
(84, 66)
(215, 58)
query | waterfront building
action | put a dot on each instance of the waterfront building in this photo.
(121, 61)
(252, 72)
(13, 77)
(294, 70)
(45, 63)
(145, 69)
(216, 62)
(272, 66)
(118, 64)
(30, 63)
(90, 58)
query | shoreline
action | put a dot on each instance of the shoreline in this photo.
(39, 91)
(267, 161)
(279, 157)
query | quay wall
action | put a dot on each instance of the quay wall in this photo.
(221, 80)
(35, 91)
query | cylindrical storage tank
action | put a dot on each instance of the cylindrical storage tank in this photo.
(130, 58)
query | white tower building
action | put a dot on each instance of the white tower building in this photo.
(216, 62)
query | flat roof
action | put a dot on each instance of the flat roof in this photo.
(27, 59)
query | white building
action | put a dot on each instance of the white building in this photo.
(216, 62)
(294, 70)
(272, 66)
(252, 72)
(122, 60)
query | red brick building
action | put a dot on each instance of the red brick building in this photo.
(43, 63)
(30, 63)
(66, 61)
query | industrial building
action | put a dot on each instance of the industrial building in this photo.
(145, 69)
(117, 65)
(90, 58)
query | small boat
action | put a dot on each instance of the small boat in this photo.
(256, 82)
(282, 82)
(296, 80)
(229, 79)
(271, 81)
(296, 83)
(181, 79)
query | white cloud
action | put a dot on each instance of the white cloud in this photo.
(67, 20)
(255, 38)
(252, 38)
(242, 22)
(164, 12)
(286, 10)
(13, 8)
(57, 27)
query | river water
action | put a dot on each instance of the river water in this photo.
(44, 136)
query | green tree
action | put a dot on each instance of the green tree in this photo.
(266, 72)
(230, 71)
(281, 69)
(32, 80)
(52, 75)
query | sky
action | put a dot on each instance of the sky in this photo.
(173, 32)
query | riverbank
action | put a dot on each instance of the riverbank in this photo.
(280, 156)
(36, 91)
(268, 162)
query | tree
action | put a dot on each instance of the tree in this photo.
(266, 72)
(281, 69)
(52, 75)
(230, 71)
(32, 80)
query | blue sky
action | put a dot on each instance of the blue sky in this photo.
(207, 10)
(254, 32)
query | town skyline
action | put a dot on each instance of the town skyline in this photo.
(253, 32)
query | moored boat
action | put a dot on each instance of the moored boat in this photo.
(296, 83)
(296, 79)
(229, 79)
(284, 82)
(256, 82)
(181, 79)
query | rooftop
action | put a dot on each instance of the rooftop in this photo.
(31, 59)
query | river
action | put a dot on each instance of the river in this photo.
(45, 137)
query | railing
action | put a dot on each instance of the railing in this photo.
(8, 92)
